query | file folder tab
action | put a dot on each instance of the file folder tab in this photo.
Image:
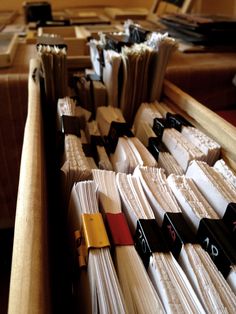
(177, 232)
(117, 129)
(155, 146)
(149, 239)
(119, 229)
(94, 231)
(71, 125)
(159, 124)
(212, 235)
(229, 219)
(176, 121)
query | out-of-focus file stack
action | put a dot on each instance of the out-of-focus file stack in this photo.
(126, 151)
(168, 278)
(76, 166)
(209, 284)
(138, 291)
(209, 147)
(139, 65)
(99, 289)
(52, 51)
(97, 143)
(211, 231)
(142, 128)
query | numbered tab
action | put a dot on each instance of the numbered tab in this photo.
(212, 235)
(149, 239)
(177, 232)
(230, 220)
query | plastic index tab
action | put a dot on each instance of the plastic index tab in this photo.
(94, 231)
(177, 232)
(213, 236)
(71, 125)
(149, 239)
(117, 129)
(119, 230)
(176, 121)
(159, 125)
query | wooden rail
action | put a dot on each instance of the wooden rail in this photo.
(29, 284)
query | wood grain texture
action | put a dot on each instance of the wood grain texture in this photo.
(29, 292)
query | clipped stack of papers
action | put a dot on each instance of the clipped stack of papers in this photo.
(139, 293)
(93, 249)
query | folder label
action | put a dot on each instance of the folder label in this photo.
(213, 237)
(149, 239)
(118, 229)
(94, 231)
(177, 232)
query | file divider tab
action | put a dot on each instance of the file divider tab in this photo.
(159, 125)
(176, 121)
(117, 129)
(88, 150)
(149, 239)
(212, 235)
(155, 147)
(119, 229)
(229, 219)
(137, 34)
(177, 232)
(71, 125)
(94, 231)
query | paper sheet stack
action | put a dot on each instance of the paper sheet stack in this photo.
(209, 147)
(129, 151)
(142, 127)
(104, 290)
(218, 191)
(94, 138)
(138, 291)
(209, 284)
(195, 207)
(170, 281)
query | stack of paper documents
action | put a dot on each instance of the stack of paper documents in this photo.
(228, 173)
(104, 291)
(169, 279)
(196, 209)
(76, 165)
(94, 138)
(209, 147)
(139, 293)
(218, 191)
(209, 284)
(52, 51)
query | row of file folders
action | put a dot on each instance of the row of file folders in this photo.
(151, 212)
